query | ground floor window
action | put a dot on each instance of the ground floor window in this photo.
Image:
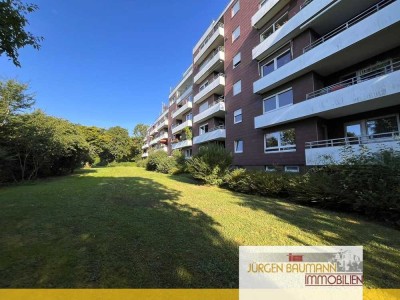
(280, 141)
(373, 128)
(270, 169)
(292, 169)
(239, 146)
(188, 153)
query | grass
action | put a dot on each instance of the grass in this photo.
(125, 227)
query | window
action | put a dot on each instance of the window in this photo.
(270, 169)
(277, 62)
(203, 129)
(279, 100)
(239, 146)
(188, 116)
(237, 88)
(280, 141)
(274, 27)
(188, 153)
(292, 169)
(379, 127)
(235, 8)
(235, 34)
(237, 116)
(203, 107)
(237, 59)
(204, 85)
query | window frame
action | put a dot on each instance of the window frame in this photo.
(239, 61)
(276, 100)
(270, 169)
(236, 144)
(292, 171)
(363, 123)
(240, 87)
(203, 104)
(280, 148)
(237, 113)
(200, 129)
(204, 85)
(237, 5)
(273, 26)
(287, 49)
(237, 29)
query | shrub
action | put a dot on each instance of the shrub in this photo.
(142, 163)
(258, 182)
(210, 164)
(160, 161)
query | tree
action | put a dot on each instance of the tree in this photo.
(140, 131)
(13, 35)
(13, 98)
(118, 146)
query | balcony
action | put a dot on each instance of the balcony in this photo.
(216, 110)
(267, 10)
(178, 114)
(145, 146)
(376, 89)
(334, 151)
(214, 39)
(153, 142)
(370, 33)
(182, 126)
(215, 62)
(186, 77)
(162, 125)
(144, 155)
(182, 144)
(161, 148)
(185, 94)
(216, 134)
(216, 86)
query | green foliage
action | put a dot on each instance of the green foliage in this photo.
(210, 164)
(159, 161)
(258, 182)
(142, 163)
(13, 99)
(140, 131)
(13, 35)
(188, 133)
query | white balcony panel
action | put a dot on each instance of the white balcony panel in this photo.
(162, 125)
(371, 36)
(164, 148)
(185, 94)
(182, 126)
(181, 111)
(215, 87)
(183, 144)
(379, 92)
(325, 155)
(217, 110)
(144, 155)
(291, 29)
(267, 11)
(215, 135)
(216, 61)
(217, 39)
(153, 142)
(145, 146)
(185, 80)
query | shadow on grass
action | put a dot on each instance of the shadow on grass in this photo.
(381, 249)
(126, 232)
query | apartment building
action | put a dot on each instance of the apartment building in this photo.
(286, 84)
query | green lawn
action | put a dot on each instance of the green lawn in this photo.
(125, 227)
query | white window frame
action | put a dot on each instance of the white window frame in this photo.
(273, 26)
(279, 148)
(204, 85)
(235, 8)
(297, 169)
(236, 144)
(275, 60)
(238, 58)
(270, 169)
(363, 123)
(276, 100)
(188, 151)
(203, 105)
(200, 129)
(236, 31)
(237, 85)
(237, 113)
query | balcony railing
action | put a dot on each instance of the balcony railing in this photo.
(305, 4)
(212, 80)
(211, 56)
(216, 27)
(365, 14)
(358, 140)
(365, 74)
(262, 3)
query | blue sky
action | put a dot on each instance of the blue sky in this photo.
(108, 63)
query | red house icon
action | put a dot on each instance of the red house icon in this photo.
(293, 257)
